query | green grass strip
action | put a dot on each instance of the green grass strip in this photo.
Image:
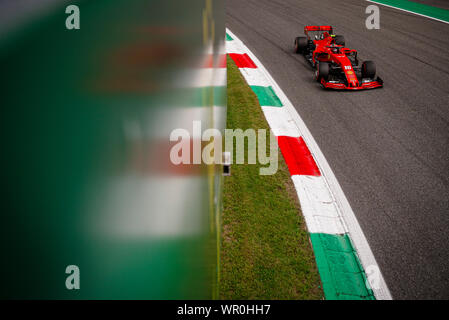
(266, 96)
(341, 273)
(265, 251)
(434, 12)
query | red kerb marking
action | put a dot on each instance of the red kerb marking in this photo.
(242, 60)
(297, 156)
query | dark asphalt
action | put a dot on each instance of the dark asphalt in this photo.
(389, 148)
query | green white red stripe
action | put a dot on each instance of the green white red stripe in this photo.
(341, 250)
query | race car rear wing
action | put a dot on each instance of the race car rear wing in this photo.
(317, 28)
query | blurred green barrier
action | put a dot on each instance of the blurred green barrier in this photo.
(86, 175)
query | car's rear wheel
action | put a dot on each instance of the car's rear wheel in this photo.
(368, 69)
(340, 40)
(300, 44)
(322, 71)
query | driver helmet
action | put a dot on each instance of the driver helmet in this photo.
(334, 49)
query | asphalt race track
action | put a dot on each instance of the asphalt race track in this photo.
(389, 147)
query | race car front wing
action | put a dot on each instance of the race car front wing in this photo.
(363, 85)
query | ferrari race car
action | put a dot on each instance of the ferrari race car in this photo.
(336, 67)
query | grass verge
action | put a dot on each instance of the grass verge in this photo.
(266, 252)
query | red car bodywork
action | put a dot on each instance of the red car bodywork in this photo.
(327, 51)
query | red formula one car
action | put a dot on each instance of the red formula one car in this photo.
(337, 67)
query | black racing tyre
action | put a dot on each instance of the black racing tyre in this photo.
(300, 44)
(322, 71)
(368, 69)
(340, 40)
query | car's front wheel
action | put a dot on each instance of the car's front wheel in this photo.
(368, 69)
(322, 71)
